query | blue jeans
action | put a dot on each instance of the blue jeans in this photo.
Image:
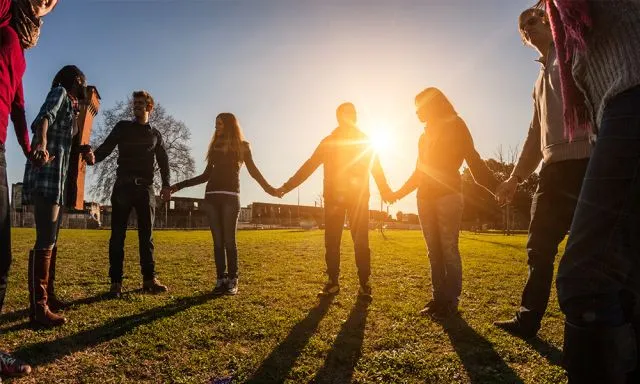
(5, 228)
(440, 220)
(602, 259)
(223, 211)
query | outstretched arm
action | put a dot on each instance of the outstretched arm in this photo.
(255, 172)
(202, 178)
(305, 171)
(380, 179)
(409, 186)
(481, 174)
(528, 161)
(109, 144)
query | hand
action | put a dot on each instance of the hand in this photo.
(387, 197)
(279, 192)
(275, 192)
(165, 193)
(40, 156)
(89, 157)
(506, 190)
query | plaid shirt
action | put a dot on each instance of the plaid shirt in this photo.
(49, 180)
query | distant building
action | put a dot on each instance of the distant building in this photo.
(245, 214)
(22, 215)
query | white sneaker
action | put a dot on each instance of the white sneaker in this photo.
(232, 286)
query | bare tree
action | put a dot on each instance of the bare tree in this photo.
(175, 136)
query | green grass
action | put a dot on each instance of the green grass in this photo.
(276, 330)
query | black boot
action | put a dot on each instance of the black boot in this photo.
(599, 354)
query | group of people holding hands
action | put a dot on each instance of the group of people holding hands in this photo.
(585, 131)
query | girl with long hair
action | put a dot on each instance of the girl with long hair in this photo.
(444, 145)
(227, 152)
(45, 181)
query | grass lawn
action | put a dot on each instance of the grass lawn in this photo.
(276, 330)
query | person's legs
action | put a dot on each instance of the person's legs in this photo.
(602, 251)
(145, 206)
(359, 225)
(9, 366)
(449, 216)
(47, 216)
(551, 212)
(431, 232)
(5, 228)
(333, 226)
(121, 204)
(230, 213)
(214, 214)
(55, 304)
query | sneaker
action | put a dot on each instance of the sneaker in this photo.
(330, 288)
(365, 290)
(221, 286)
(431, 307)
(10, 366)
(232, 286)
(515, 327)
(116, 290)
(154, 286)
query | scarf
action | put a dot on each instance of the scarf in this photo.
(570, 21)
(25, 23)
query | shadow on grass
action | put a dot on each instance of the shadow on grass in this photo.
(546, 350)
(276, 367)
(49, 351)
(10, 317)
(480, 360)
(496, 243)
(347, 349)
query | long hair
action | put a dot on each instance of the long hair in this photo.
(435, 104)
(229, 141)
(68, 77)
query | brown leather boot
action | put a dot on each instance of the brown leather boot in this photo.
(39, 313)
(53, 302)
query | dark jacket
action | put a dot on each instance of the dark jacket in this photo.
(222, 173)
(348, 159)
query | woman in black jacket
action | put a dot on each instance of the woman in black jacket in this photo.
(227, 152)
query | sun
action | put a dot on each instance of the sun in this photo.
(380, 137)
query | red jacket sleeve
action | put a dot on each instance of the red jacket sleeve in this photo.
(19, 120)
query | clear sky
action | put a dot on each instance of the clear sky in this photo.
(283, 66)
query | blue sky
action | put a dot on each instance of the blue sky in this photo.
(284, 66)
